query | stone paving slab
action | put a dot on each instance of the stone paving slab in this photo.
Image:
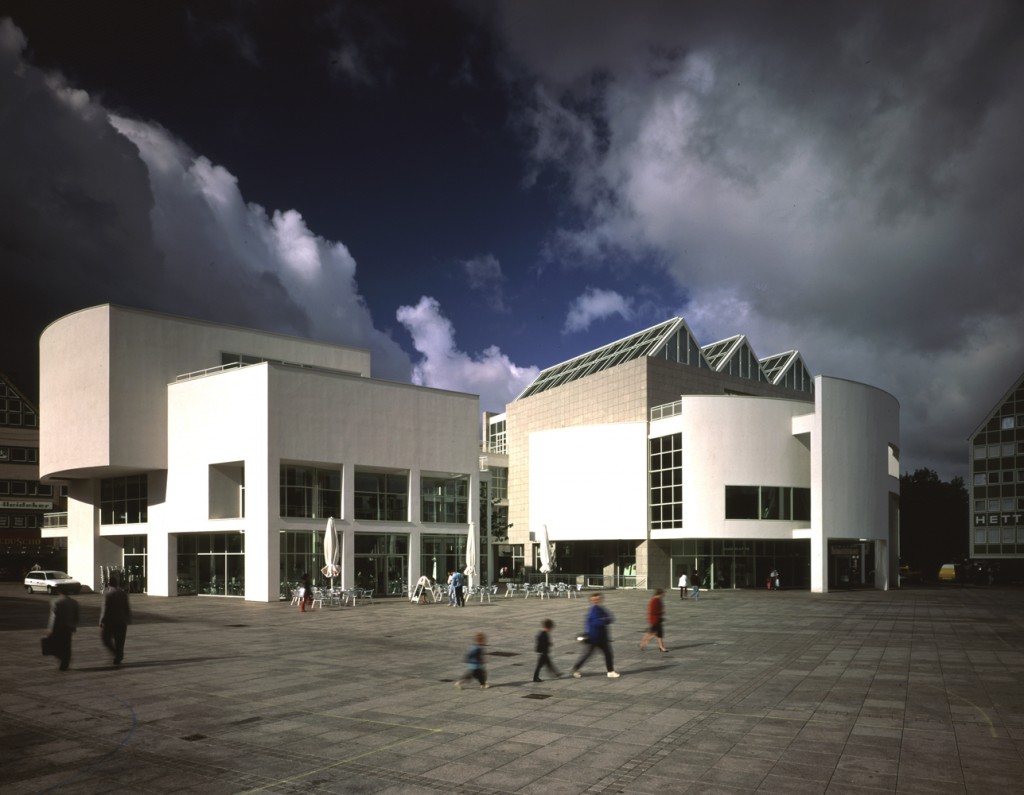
(858, 692)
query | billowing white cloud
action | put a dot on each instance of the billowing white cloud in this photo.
(596, 304)
(490, 374)
(847, 186)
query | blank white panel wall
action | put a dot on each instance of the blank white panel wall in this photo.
(589, 482)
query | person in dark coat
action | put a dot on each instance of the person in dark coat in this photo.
(307, 593)
(63, 623)
(543, 647)
(115, 616)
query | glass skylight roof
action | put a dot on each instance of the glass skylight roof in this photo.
(671, 340)
(671, 337)
(774, 366)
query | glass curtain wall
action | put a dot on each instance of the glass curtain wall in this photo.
(382, 563)
(211, 564)
(440, 555)
(740, 563)
(302, 552)
(134, 564)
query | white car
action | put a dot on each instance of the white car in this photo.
(49, 580)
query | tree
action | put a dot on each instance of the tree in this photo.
(934, 521)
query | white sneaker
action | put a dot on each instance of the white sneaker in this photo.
(613, 675)
(577, 675)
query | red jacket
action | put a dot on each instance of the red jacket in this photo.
(655, 610)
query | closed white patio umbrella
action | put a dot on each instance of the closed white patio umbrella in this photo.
(545, 552)
(331, 550)
(470, 570)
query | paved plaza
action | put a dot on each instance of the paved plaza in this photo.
(857, 692)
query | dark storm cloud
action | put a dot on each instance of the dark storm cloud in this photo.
(843, 178)
(101, 208)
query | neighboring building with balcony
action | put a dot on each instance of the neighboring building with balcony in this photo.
(996, 480)
(25, 502)
(207, 458)
(653, 456)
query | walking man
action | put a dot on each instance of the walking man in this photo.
(115, 616)
(63, 623)
(682, 585)
(596, 636)
(696, 584)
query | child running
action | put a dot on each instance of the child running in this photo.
(475, 668)
(543, 648)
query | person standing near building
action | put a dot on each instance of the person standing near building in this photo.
(307, 592)
(596, 636)
(115, 616)
(63, 623)
(696, 584)
(457, 584)
(655, 620)
(682, 586)
(543, 647)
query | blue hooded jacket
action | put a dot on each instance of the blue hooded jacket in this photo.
(597, 622)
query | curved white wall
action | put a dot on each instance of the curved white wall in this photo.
(735, 441)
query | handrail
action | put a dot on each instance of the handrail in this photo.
(667, 410)
(57, 519)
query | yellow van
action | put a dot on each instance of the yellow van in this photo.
(947, 573)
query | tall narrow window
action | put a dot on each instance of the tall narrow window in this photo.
(665, 471)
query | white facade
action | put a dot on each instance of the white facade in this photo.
(840, 448)
(139, 393)
(654, 456)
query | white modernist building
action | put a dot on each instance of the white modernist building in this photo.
(205, 458)
(654, 456)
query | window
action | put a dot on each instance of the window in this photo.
(979, 452)
(124, 500)
(768, 502)
(1006, 423)
(499, 483)
(444, 499)
(665, 470)
(496, 437)
(741, 502)
(980, 479)
(19, 455)
(382, 495)
(310, 493)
